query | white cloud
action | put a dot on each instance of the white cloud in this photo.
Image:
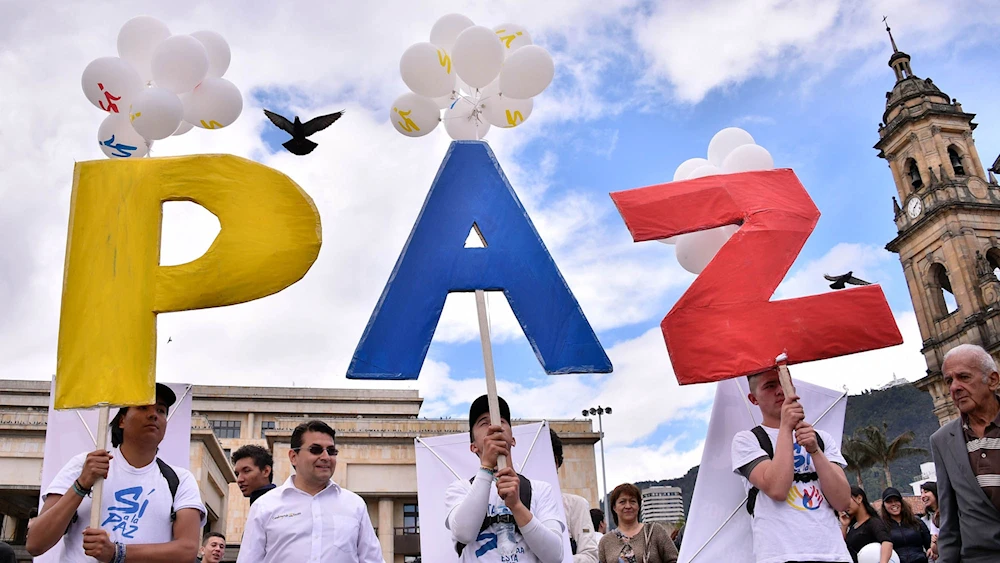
(697, 47)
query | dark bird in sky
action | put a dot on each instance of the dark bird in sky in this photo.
(298, 144)
(846, 279)
(170, 339)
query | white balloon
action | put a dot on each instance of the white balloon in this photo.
(872, 553)
(219, 54)
(414, 115)
(724, 142)
(214, 104)
(687, 167)
(447, 28)
(118, 140)
(137, 40)
(505, 112)
(669, 240)
(156, 113)
(705, 170)
(465, 122)
(110, 83)
(184, 127)
(696, 250)
(180, 62)
(512, 37)
(527, 72)
(427, 70)
(445, 102)
(746, 158)
(477, 56)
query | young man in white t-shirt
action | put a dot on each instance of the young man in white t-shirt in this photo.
(799, 488)
(488, 520)
(139, 514)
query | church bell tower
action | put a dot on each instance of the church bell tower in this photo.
(947, 214)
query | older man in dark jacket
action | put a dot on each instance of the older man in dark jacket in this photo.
(967, 459)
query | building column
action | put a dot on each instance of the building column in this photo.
(386, 533)
(251, 428)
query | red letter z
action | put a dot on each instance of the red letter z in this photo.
(725, 324)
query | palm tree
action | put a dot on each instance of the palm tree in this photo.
(857, 457)
(874, 445)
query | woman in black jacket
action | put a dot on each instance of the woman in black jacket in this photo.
(910, 537)
(861, 526)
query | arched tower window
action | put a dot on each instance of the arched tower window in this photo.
(993, 257)
(941, 292)
(956, 161)
(914, 172)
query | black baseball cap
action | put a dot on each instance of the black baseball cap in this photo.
(482, 405)
(891, 492)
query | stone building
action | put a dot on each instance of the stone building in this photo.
(948, 220)
(375, 433)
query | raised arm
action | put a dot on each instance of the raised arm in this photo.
(774, 476)
(58, 510)
(832, 480)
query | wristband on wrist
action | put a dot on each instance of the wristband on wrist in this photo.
(119, 553)
(78, 489)
(489, 470)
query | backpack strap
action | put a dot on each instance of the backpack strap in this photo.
(524, 493)
(172, 482)
(765, 444)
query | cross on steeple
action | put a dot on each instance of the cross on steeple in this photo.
(885, 20)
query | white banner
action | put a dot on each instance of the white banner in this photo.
(719, 491)
(443, 459)
(72, 432)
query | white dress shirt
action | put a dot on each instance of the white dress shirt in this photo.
(289, 524)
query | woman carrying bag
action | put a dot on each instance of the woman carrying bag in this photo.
(633, 541)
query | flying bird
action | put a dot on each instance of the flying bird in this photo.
(840, 281)
(298, 144)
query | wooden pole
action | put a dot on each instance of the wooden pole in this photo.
(98, 488)
(491, 381)
(786, 379)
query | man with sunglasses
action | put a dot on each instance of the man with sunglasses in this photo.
(309, 517)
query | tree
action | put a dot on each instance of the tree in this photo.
(873, 444)
(857, 457)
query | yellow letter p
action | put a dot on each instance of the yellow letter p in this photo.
(114, 286)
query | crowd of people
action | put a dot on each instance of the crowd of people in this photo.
(797, 489)
(802, 507)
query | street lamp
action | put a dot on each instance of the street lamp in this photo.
(600, 411)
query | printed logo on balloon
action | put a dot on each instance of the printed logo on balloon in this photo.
(168, 83)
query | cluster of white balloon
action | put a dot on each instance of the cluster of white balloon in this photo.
(730, 150)
(160, 85)
(477, 75)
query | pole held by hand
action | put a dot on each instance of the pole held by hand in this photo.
(491, 381)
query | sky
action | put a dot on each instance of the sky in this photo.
(639, 88)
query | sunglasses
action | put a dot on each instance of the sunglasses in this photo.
(317, 449)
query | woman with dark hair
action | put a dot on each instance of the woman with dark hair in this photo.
(928, 494)
(862, 526)
(910, 537)
(633, 541)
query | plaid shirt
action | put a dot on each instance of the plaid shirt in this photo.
(984, 457)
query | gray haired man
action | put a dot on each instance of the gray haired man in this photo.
(967, 459)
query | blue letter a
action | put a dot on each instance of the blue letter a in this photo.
(471, 189)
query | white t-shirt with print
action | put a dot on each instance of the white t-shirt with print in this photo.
(802, 527)
(544, 506)
(136, 503)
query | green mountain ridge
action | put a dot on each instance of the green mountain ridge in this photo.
(903, 408)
